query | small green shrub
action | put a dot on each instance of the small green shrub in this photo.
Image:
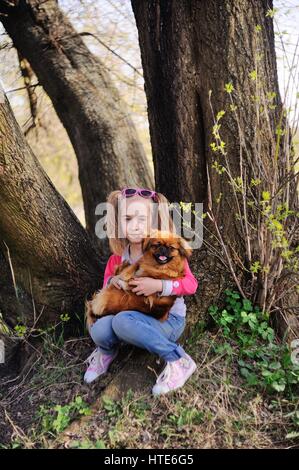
(55, 420)
(263, 360)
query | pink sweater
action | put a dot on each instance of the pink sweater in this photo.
(186, 285)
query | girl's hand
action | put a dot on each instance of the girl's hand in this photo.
(146, 285)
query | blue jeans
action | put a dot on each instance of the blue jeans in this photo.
(142, 330)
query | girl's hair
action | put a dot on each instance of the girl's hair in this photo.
(161, 216)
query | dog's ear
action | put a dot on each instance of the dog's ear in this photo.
(184, 248)
(120, 267)
(146, 244)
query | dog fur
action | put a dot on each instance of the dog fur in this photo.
(110, 300)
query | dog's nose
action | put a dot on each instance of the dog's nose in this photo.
(163, 251)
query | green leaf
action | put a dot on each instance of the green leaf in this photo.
(275, 365)
(266, 196)
(278, 387)
(247, 305)
(229, 88)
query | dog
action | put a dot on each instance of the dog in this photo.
(163, 257)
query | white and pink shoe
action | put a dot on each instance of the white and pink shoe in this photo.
(174, 375)
(98, 364)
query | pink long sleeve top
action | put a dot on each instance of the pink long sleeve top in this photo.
(186, 285)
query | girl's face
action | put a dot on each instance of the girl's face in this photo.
(135, 218)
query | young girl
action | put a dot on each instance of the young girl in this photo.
(131, 220)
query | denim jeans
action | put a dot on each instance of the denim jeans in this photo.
(144, 331)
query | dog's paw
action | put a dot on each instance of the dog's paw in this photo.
(123, 284)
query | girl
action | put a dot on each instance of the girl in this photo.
(129, 219)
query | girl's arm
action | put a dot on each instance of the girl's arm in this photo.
(182, 286)
(113, 261)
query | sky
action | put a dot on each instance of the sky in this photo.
(286, 26)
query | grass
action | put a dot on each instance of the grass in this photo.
(217, 408)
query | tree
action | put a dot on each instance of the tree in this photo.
(48, 261)
(210, 65)
(88, 104)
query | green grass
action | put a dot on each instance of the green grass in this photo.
(244, 394)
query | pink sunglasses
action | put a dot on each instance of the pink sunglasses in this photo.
(129, 192)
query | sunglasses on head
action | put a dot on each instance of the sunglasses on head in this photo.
(129, 192)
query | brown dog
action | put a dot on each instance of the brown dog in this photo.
(163, 257)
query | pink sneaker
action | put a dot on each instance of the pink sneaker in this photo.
(98, 364)
(174, 375)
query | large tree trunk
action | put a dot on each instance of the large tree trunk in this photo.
(196, 47)
(102, 133)
(188, 48)
(47, 260)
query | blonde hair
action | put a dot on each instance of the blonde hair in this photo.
(117, 244)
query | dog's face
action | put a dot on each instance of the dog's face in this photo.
(165, 246)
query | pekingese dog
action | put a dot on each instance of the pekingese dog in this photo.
(163, 257)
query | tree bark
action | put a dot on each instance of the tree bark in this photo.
(88, 104)
(197, 47)
(43, 244)
(189, 48)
